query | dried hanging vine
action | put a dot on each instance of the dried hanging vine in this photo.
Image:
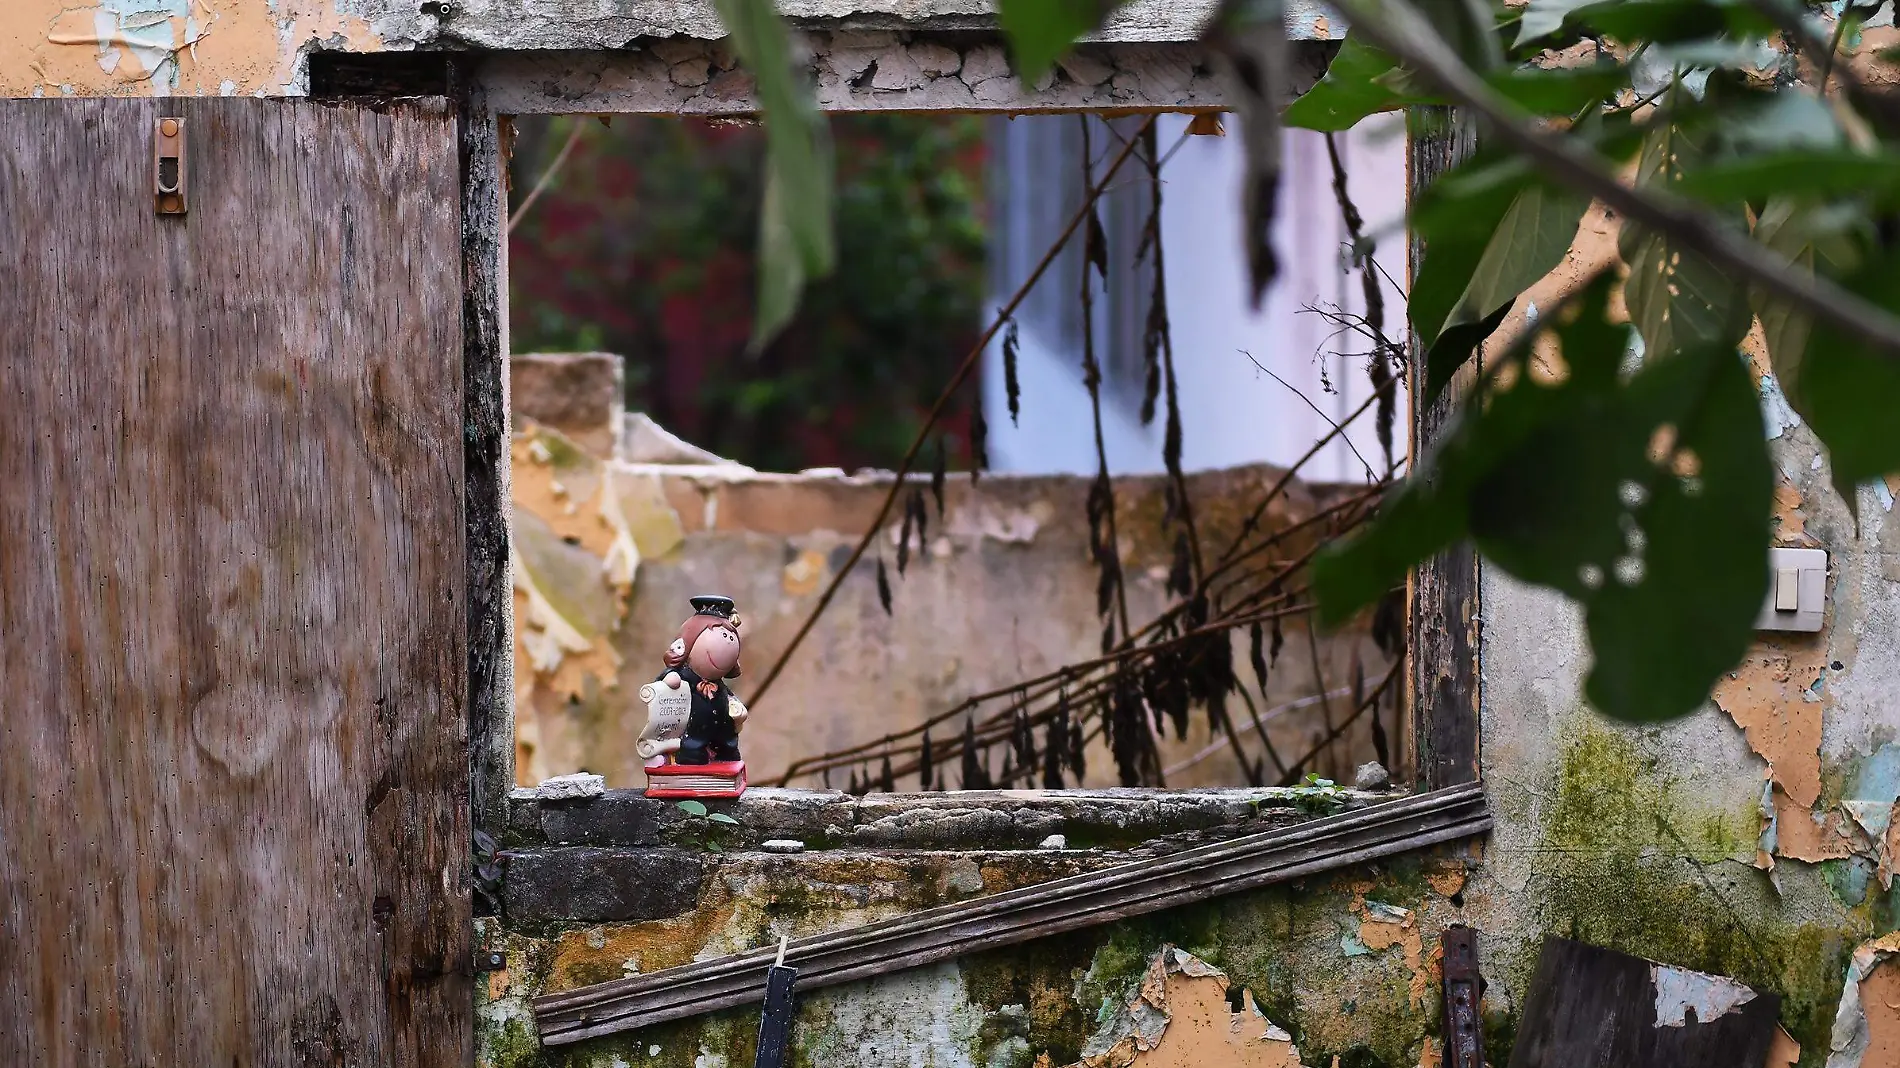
(1104, 545)
(1149, 680)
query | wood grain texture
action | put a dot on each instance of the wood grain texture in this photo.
(1017, 916)
(1596, 1008)
(233, 783)
(491, 624)
(1445, 637)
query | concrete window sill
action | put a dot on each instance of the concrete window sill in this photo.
(1115, 820)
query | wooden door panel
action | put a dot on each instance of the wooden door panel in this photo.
(233, 771)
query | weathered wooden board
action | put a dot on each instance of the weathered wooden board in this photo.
(1597, 1008)
(233, 782)
(1445, 635)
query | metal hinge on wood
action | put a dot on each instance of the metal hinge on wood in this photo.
(168, 165)
(1464, 1038)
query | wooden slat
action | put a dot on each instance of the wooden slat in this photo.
(491, 630)
(1596, 1008)
(233, 784)
(1443, 650)
(1019, 915)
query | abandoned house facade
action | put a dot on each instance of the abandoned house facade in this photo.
(291, 404)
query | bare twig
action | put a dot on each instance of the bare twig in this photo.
(1271, 591)
(1105, 542)
(541, 185)
(1047, 685)
(1268, 371)
(1293, 773)
(1399, 28)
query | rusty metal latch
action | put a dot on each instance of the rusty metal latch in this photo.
(168, 166)
(1464, 1039)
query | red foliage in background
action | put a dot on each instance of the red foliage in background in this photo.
(644, 245)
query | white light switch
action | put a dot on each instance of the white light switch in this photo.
(1797, 592)
(1787, 599)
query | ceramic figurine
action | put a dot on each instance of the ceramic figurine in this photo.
(691, 739)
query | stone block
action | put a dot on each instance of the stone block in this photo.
(588, 885)
(620, 818)
(578, 393)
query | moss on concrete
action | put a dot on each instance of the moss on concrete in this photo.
(1622, 853)
(1629, 863)
(1027, 994)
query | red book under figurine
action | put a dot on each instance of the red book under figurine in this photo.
(691, 739)
(724, 779)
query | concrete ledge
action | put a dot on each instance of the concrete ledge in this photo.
(989, 820)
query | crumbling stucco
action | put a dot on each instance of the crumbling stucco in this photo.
(871, 70)
(1184, 1016)
(176, 47)
(1602, 826)
(206, 48)
(1147, 993)
(1867, 1031)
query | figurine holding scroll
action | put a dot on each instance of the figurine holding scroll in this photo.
(691, 739)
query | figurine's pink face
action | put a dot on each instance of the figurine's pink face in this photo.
(715, 652)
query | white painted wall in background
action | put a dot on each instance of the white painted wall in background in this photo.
(1232, 411)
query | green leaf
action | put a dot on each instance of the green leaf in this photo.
(1469, 27)
(1545, 17)
(1560, 91)
(1352, 89)
(1529, 242)
(1837, 173)
(1419, 517)
(1668, 21)
(1454, 219)
(796, 243)
(692, 808)
(721, 817)
(1846, 390)
(1676, 298)
(1806, 237)
(1661, 643)
(1554, 480)
(1041, 31)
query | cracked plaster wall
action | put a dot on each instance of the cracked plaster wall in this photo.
(1754, 838)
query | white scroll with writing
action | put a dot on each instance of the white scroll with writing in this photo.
(667, 712)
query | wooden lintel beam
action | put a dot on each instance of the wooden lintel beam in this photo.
(1015, 916)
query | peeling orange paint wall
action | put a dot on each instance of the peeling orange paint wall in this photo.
(169, 47)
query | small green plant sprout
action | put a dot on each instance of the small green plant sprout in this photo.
(706, 827)
(1319, 796)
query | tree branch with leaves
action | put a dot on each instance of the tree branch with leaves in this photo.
(1616, 452)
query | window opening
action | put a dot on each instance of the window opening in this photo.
(636, 238)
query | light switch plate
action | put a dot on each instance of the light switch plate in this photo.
(1809, 567)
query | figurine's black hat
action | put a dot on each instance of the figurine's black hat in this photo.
(712, 605)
